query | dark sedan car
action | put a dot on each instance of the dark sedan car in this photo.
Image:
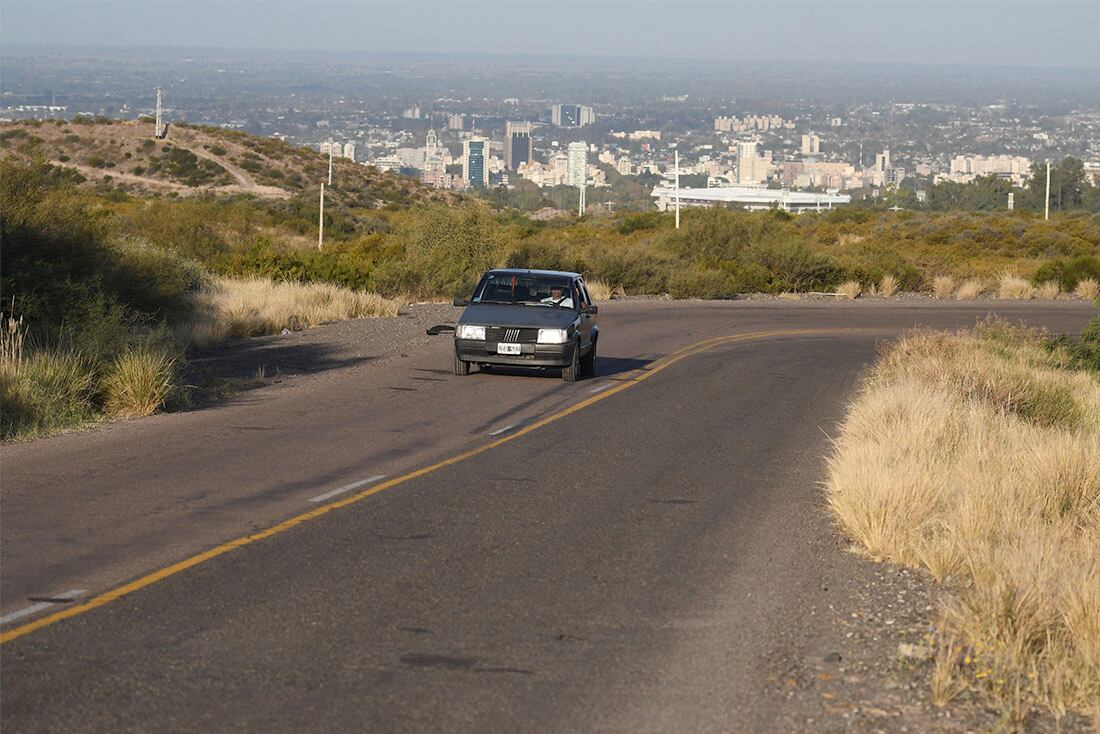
(528, 318)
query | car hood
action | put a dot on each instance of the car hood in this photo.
(490, 314)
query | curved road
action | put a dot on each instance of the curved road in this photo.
(641, 551)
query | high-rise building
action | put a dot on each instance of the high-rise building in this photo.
(475, 161)
(456, 122)
(882, 161)
(751, 168)
(349, 150)
(431, 144)
(572, 115)
(518, 146)
(811, 144)
(577, 165)
(412, 113)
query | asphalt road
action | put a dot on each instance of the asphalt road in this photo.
(649, 560)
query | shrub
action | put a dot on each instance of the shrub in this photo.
(943, 286)
(849, 289)
(1069, 271)
(1014, 287)
(888, 286)
(1087, 288)
(1049, 290)
(139, 382)
(970, 289)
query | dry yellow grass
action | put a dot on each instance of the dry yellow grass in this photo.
(1087, 288)
(888, 286)
(943, 286)
(1014, 287)
(970, 289)
(1049, 290)
(599, 290)
(977, 457)
(235, 309)
(849, 289)
(139, 382)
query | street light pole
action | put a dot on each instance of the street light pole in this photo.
(677, 164)
(321, 220)
(1046, 212)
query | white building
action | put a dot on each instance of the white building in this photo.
(811, 144)
(965, 168)
(751, 168)
(577, 164)
(349, 150)
(750, 198)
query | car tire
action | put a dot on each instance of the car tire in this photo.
(588, 361)
(571, 372)
(461, 368)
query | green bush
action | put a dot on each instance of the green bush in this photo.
(1069, 271)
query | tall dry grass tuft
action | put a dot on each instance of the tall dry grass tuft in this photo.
(970, 289)
(1049, 290)
(977, 455)
(599, 290)
(849, 289)
(139, 382)
(236, 309)
(888, 286)
(1087, 288)
(1013, 287)
(943, 286)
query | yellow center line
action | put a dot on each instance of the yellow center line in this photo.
(630, 379)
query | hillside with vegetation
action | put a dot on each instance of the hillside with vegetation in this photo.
(123, 156)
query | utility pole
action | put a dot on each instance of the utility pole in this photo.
(677, 166)
(321, 220)
(1046, 212)
(581, 202)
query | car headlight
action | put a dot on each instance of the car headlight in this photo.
(553, 336)
(468, 331)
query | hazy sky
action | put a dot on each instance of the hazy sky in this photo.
(996, 32)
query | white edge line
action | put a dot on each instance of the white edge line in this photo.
(347, 487)
(499, 431)
(63, 598)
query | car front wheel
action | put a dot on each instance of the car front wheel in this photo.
(572, 372)
(461, 368)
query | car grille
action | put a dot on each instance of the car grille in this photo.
(511, 335)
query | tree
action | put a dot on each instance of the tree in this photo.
(1068, 185)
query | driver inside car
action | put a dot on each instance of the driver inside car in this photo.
(557, 298)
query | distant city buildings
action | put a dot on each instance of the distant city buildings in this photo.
(412, 113)
(456, 122)
(965, 168)
(338, 150)
(638, 135)
(475, 162)
(518, 145)
(571, 115)
(760, 123)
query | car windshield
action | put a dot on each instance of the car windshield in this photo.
(525, 289)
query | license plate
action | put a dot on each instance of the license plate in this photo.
(508, 349)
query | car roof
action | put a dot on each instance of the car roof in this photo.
(528, 271)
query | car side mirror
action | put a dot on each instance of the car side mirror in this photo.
(591, 309)
(460, 301)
